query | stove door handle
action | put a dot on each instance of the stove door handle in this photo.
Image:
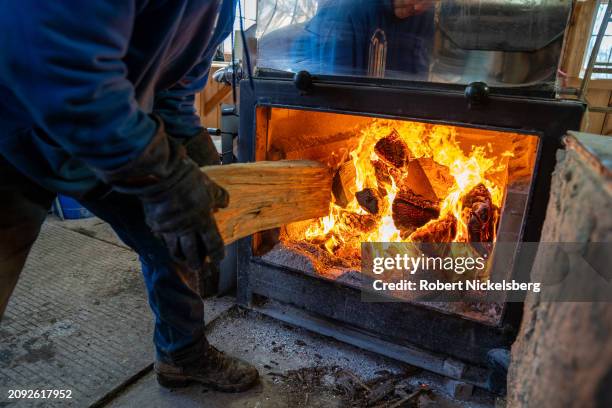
(303, 81)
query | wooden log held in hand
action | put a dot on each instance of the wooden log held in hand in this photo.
(265, 195)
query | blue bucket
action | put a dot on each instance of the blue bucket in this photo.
(67, 208)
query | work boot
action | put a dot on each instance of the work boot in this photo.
(215, 370)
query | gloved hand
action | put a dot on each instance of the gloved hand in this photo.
(178, 199)
(201, 149)
(182, 216)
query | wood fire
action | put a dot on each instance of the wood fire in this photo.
(410, 182)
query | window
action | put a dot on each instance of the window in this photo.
(603, 64)
(249, 15)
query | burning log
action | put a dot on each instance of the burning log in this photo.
(398, 162)
(368, 200)
(440, 231)
(354, 225)
(393, 150)
(411, 211)
(417, 181)
(433, 238)
(480, 214)
(383, 177)
(343, 185)
(416, 204)
(438, 175)
(358, 222)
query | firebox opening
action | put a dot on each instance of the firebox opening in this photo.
(398, 181)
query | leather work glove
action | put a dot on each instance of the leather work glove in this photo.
(178, 199)
(201, 149)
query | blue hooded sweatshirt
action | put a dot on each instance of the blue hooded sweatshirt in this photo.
(78, 80)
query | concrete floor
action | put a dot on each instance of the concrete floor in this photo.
(276, 349)
(98, 273)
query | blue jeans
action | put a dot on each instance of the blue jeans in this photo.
(171, 288)
(176, 304)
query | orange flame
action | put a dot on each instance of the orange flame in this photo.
(437, 142)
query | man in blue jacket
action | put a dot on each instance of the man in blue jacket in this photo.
(96, 101)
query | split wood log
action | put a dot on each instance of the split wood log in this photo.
(411, 211)
(381, 171)
(358, 222)
(393, 150)
(433, 238)
(479, 214)
(416, 203)
(438, 175)
(265, 195)
(440, 231)
(417, 181)
(368, 200)
(343, 185)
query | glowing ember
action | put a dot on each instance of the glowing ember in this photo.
(412, 182)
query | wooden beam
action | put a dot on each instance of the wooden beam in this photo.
(577, 37)
(265, 195)
(216, 99)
